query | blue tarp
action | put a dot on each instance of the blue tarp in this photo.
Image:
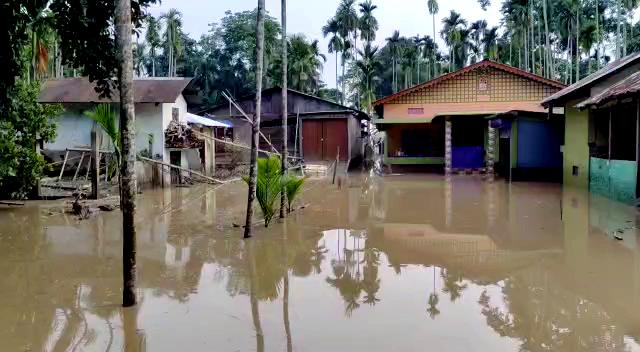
(538, 145)
(467, 157)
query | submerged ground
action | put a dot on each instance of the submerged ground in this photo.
(400, 263)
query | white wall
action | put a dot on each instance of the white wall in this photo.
(148, 121)
(73, 128)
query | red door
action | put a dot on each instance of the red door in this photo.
(312, 140)
(334, 134)
(321, 139)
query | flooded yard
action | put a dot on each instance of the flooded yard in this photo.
(400, 263)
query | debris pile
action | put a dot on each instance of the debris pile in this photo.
(179, 136)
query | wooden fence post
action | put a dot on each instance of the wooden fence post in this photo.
(96, 165)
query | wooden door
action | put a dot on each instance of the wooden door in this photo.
(334, 133)
(312, 140)
(175, 158)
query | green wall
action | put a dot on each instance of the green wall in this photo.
(576, 146)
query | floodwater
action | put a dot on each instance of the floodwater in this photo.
(400, 263)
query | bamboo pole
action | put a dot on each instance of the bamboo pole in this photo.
(335, 167)
(183, 169)
(275, 151)
(79, 166)
(95, 176)
(64, 163)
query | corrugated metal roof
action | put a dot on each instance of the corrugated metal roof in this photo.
(593, 78)
(481, 64)
(623, 89)
(80, 90)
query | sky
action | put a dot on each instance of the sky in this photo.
(410, 17)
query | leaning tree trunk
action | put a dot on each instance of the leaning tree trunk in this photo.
(255, 127)
(127, 132)
(285, 115)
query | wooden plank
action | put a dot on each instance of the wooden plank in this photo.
(64, 163)
(95, 154)
(79, 166)
(183, 169)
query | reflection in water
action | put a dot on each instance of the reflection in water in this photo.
(407, 261)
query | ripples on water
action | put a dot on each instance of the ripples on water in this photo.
(403, 263)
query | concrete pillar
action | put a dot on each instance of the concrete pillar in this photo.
(491, 150)
(448, 156)
(209, 153)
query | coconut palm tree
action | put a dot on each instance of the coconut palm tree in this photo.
(331, 30)
(368, 22)
(478, 29)
(128, 187)
(152, 37)
(393, 43)
(452, 33)
(173, 38)
(490, 43)
(255, 126)
(305, 64)
(429, 53)
(367, 67)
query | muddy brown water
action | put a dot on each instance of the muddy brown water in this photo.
(401, 263)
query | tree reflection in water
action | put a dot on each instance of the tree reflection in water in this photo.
(355, 270)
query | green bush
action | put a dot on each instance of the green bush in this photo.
(292, 187)
(24, 122)
(268, 186)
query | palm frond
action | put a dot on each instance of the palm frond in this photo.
(104, 116)
(293, 187)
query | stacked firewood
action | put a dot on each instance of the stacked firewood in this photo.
(181, 136)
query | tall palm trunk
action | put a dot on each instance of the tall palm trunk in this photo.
(153, 62)
(285, 312)
(337, 87)
(578, 41)
(255, 127)
(285, 114)
(124, 54)
(253, 295)
(548, 54)
(435, 73)
(618, 24)
(344, 92)
(533, 36)
(597, 35)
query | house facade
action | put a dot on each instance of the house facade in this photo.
(158, 102)
(602, 117)
(318, 130)
(444, 123)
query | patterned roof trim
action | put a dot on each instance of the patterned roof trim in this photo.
(481, 64)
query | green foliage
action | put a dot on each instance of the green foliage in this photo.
(268, 186)
(86, 36)
(292, 187)
(24, 122)
(105, 117)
